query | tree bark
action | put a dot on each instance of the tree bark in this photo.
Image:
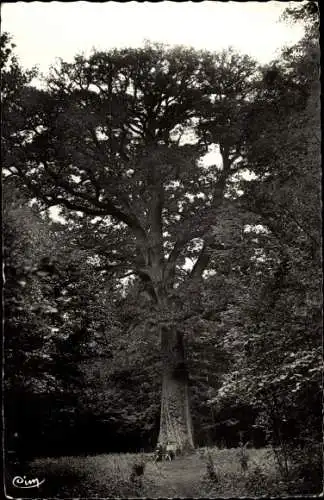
(175, 419)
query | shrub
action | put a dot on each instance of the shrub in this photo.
(306, 469)
(211, 469)
(136, 477)
(243, 456)
(257, 483)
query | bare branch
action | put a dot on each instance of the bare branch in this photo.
(169, 268)
(105, 208)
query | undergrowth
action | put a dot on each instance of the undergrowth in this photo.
(209, 472)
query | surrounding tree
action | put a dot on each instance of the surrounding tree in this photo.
(276, 344)
(59, 314)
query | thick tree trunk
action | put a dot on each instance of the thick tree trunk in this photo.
(175, 420)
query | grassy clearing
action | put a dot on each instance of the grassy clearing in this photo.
(103, 476)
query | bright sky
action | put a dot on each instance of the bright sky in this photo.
(44, 31)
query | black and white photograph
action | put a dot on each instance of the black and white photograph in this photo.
(162, 249)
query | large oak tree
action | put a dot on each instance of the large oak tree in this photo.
(116, 141)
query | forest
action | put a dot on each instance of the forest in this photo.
(152, 296)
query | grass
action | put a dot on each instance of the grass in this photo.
(105, 476)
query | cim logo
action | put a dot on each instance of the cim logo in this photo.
(23, 482)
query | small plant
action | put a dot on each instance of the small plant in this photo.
(211, 469)
(243, 456)
(136, 477)
(255, 482)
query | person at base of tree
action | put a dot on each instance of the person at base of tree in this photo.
(158, 453)
(170, 452)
